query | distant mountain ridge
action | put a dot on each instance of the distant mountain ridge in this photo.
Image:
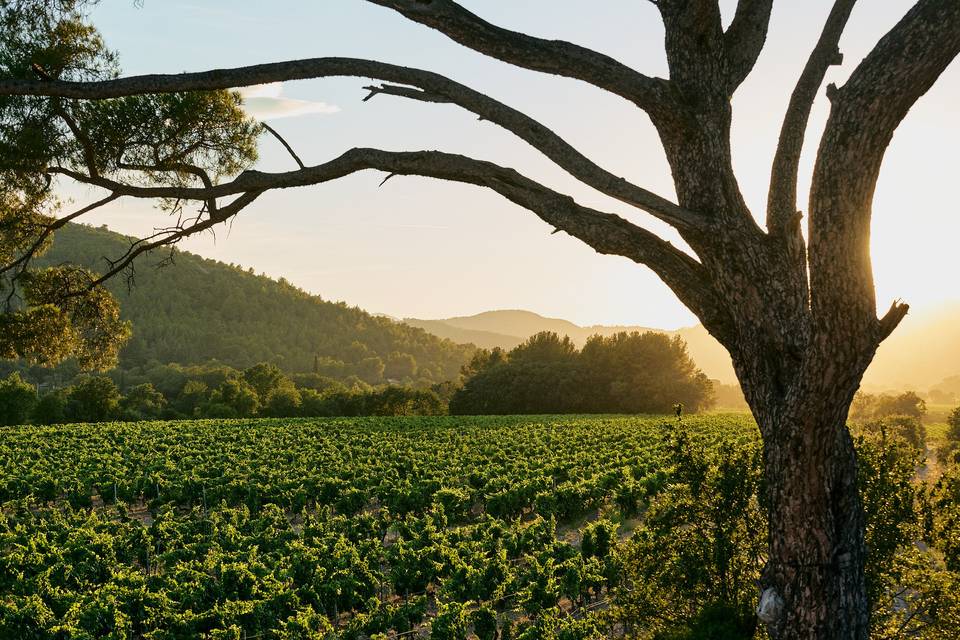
(508, 328)
(920, 355)
(198, 309)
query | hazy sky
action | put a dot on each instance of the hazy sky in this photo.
(425, 248)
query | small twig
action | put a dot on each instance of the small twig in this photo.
(285, 144)
(384, 181)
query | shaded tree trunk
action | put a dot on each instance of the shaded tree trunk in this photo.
(815, 566)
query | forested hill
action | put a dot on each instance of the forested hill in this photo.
(195, 310)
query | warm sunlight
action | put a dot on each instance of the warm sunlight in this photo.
(472, 320)
(351, 241)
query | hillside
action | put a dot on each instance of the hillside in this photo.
(195, 309)
(483, 339)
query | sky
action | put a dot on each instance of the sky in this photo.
(418, 247)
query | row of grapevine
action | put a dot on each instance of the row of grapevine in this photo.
(337, 528)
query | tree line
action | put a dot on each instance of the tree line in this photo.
(623, 373)
(206, 391)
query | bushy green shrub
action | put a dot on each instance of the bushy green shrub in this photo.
(17, 399)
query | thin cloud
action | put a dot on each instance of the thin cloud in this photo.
(267, 102)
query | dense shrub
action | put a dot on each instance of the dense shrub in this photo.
(93, 399)
(51, 408)
(17, 400)
(906, 427)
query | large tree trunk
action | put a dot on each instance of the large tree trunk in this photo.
(813, 584)
(816, 529)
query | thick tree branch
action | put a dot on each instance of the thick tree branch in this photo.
(891, 319)
(782, 197)
(549, 56)
(606, 233)
(864, 115)
(694, 41)
(744, 39)
(697, 140)
(432, 87)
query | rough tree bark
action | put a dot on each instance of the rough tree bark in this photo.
(800, 323)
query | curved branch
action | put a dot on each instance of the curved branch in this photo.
(606, 233)
(864, 115)
(432, 88)
(744, 39)
(286, 145)
(782, 197)
(439, 89)
(556, 57)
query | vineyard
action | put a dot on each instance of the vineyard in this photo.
(502, 527)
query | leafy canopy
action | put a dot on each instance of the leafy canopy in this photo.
(183, 139)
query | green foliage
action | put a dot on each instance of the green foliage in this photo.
(699, 550)
(866, 406)
(218, 391)
(93, 399)
(237, 394)
(545, 347)
(907, 403)
(193, 396)
(715, 622)
(283, 402)
(905, 427)
(953, 422)
(226, 528)
(918, 591)
(484, 623)
(62, 311)
(61, 317)
(207, 130)
(17, 400)
(265, 378)
(623, 373)
(143, 402)
(233, 528)
(949, 451)
(450, 623)
(51, 408)
(886, 468)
